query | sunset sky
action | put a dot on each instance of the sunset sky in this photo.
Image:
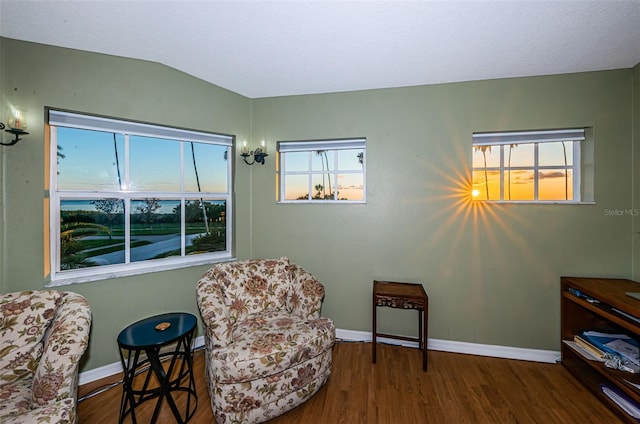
(519, 182)
(350, 173)
(89, 163)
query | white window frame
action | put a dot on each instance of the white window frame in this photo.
(312, 146)
(502, 139)
(59, 118)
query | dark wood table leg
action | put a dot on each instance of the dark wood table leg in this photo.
(374, 332)
(422, 343)
(425, 335)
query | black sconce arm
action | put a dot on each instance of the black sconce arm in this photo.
(258, 156)
(16, 132)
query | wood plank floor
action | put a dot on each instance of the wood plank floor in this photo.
(456, 389)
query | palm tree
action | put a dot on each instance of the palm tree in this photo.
(111, 206)
(566, 175)
(320, 153)
(115, 149)
(319, 188)
(511, 146)
(59, 155)
(484, 150)
(326, 158)
(195, 168)
(70, 233)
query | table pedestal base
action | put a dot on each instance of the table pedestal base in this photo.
(161, 371)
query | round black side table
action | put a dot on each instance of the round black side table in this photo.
(144, 347)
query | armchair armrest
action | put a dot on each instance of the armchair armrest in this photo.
(215, 321)
(306, 295)
(62, 412)
(55, 381)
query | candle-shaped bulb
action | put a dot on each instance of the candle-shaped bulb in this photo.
(244, 149)
(263, 146)
(17, 119)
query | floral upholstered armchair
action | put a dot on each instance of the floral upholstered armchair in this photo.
(43, 334)
(267, 348)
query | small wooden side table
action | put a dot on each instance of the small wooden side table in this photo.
(404, 296)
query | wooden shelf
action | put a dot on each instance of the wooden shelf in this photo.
(605, 311)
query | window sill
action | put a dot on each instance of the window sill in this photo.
(334, 202)
(109, 272)
(530, 202)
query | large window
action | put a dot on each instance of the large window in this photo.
(322, 171)
(528, 166)
(127, 197)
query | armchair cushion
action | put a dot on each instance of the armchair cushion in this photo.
(268, 343)
(48, 331)
(253, 286)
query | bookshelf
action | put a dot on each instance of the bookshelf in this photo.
(612, 310)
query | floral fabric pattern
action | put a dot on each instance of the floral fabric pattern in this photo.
(43, 334)
(267, 348)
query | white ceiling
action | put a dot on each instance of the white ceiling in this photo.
(274, 48)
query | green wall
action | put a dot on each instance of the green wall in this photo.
(636, 171)
(112, 86)
(2, 159)
(492, 273)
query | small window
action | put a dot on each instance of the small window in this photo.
(527, 166)
(329, 171)
(128, 197)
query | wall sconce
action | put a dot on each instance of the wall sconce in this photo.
(258, 154)
(17, 124)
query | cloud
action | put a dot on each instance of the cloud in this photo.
(352, 186)
(552, 174)
(520, 176)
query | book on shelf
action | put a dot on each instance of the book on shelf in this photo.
(582, 351)
(623, 313)
(595, 352)
(621, 399)
(617, 344)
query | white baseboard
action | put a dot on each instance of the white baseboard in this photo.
(98, 373)
(116, 367)
(507, 352)
(536, 355)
